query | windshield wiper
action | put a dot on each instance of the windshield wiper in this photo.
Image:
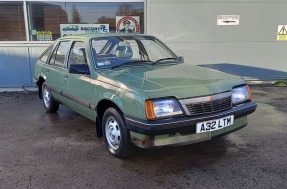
(130, 63)
(163, 59)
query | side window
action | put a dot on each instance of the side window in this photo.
(78, 54)
(46, 54)
(59, 54)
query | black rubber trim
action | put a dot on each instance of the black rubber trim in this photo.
(75, 99)
(186, 124)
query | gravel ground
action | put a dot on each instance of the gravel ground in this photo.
(40, 150)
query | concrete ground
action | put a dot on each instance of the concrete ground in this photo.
(40, 150)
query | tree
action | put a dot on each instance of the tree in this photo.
(125, 10)
(76, 19)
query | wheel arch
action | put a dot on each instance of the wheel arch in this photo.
(102, 106)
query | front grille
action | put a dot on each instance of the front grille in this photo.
(208, 107)
(209, 104)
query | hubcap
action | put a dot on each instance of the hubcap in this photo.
(46, 97)
(113, 134)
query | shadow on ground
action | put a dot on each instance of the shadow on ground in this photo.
(248, 71)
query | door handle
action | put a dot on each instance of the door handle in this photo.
(47, 70)
(65, 76)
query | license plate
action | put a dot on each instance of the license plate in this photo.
(213, 125)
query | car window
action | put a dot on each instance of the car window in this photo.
(59, 54)
(99, 45)
(46, 54)
(135, 49)
(111, 52)
(78, 54)
(154, 50)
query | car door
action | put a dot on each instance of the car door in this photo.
(76, 84)
(55, 68)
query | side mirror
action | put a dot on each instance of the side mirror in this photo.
(79, 69)
(181, 58)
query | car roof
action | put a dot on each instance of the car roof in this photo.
(89, 36)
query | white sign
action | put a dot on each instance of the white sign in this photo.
(72, 29)
(228, 20)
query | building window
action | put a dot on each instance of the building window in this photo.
(12, 21)
(51, 20)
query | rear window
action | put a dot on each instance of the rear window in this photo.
(46, 54)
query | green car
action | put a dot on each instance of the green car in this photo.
(139, 92)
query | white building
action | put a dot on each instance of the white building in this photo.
(246, 38)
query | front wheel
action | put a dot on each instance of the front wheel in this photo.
(117, 138)
(50, 104)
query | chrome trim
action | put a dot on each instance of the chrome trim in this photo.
(203, 99)
(35, 80)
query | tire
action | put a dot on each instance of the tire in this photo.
(117, 138)
(50, 104)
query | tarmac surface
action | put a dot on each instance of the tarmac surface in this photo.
(40, 150)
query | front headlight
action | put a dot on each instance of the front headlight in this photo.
(241, 94)
(162, 108)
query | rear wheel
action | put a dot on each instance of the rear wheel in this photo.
(117, 138)
(50, 104)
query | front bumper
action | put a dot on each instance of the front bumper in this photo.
(147, 141)
(185, 124)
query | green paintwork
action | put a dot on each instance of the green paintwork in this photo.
(178, 80)
(128, 87)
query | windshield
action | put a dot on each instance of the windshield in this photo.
(116, 51)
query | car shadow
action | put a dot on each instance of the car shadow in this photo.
(162, 161)
(248, 72)
(73, 128)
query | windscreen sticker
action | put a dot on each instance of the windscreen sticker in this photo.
(104, 63)
(107, 62)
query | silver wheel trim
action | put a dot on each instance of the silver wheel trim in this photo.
(113, 133)
(46, 97)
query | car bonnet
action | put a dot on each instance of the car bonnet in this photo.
(178, 80)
